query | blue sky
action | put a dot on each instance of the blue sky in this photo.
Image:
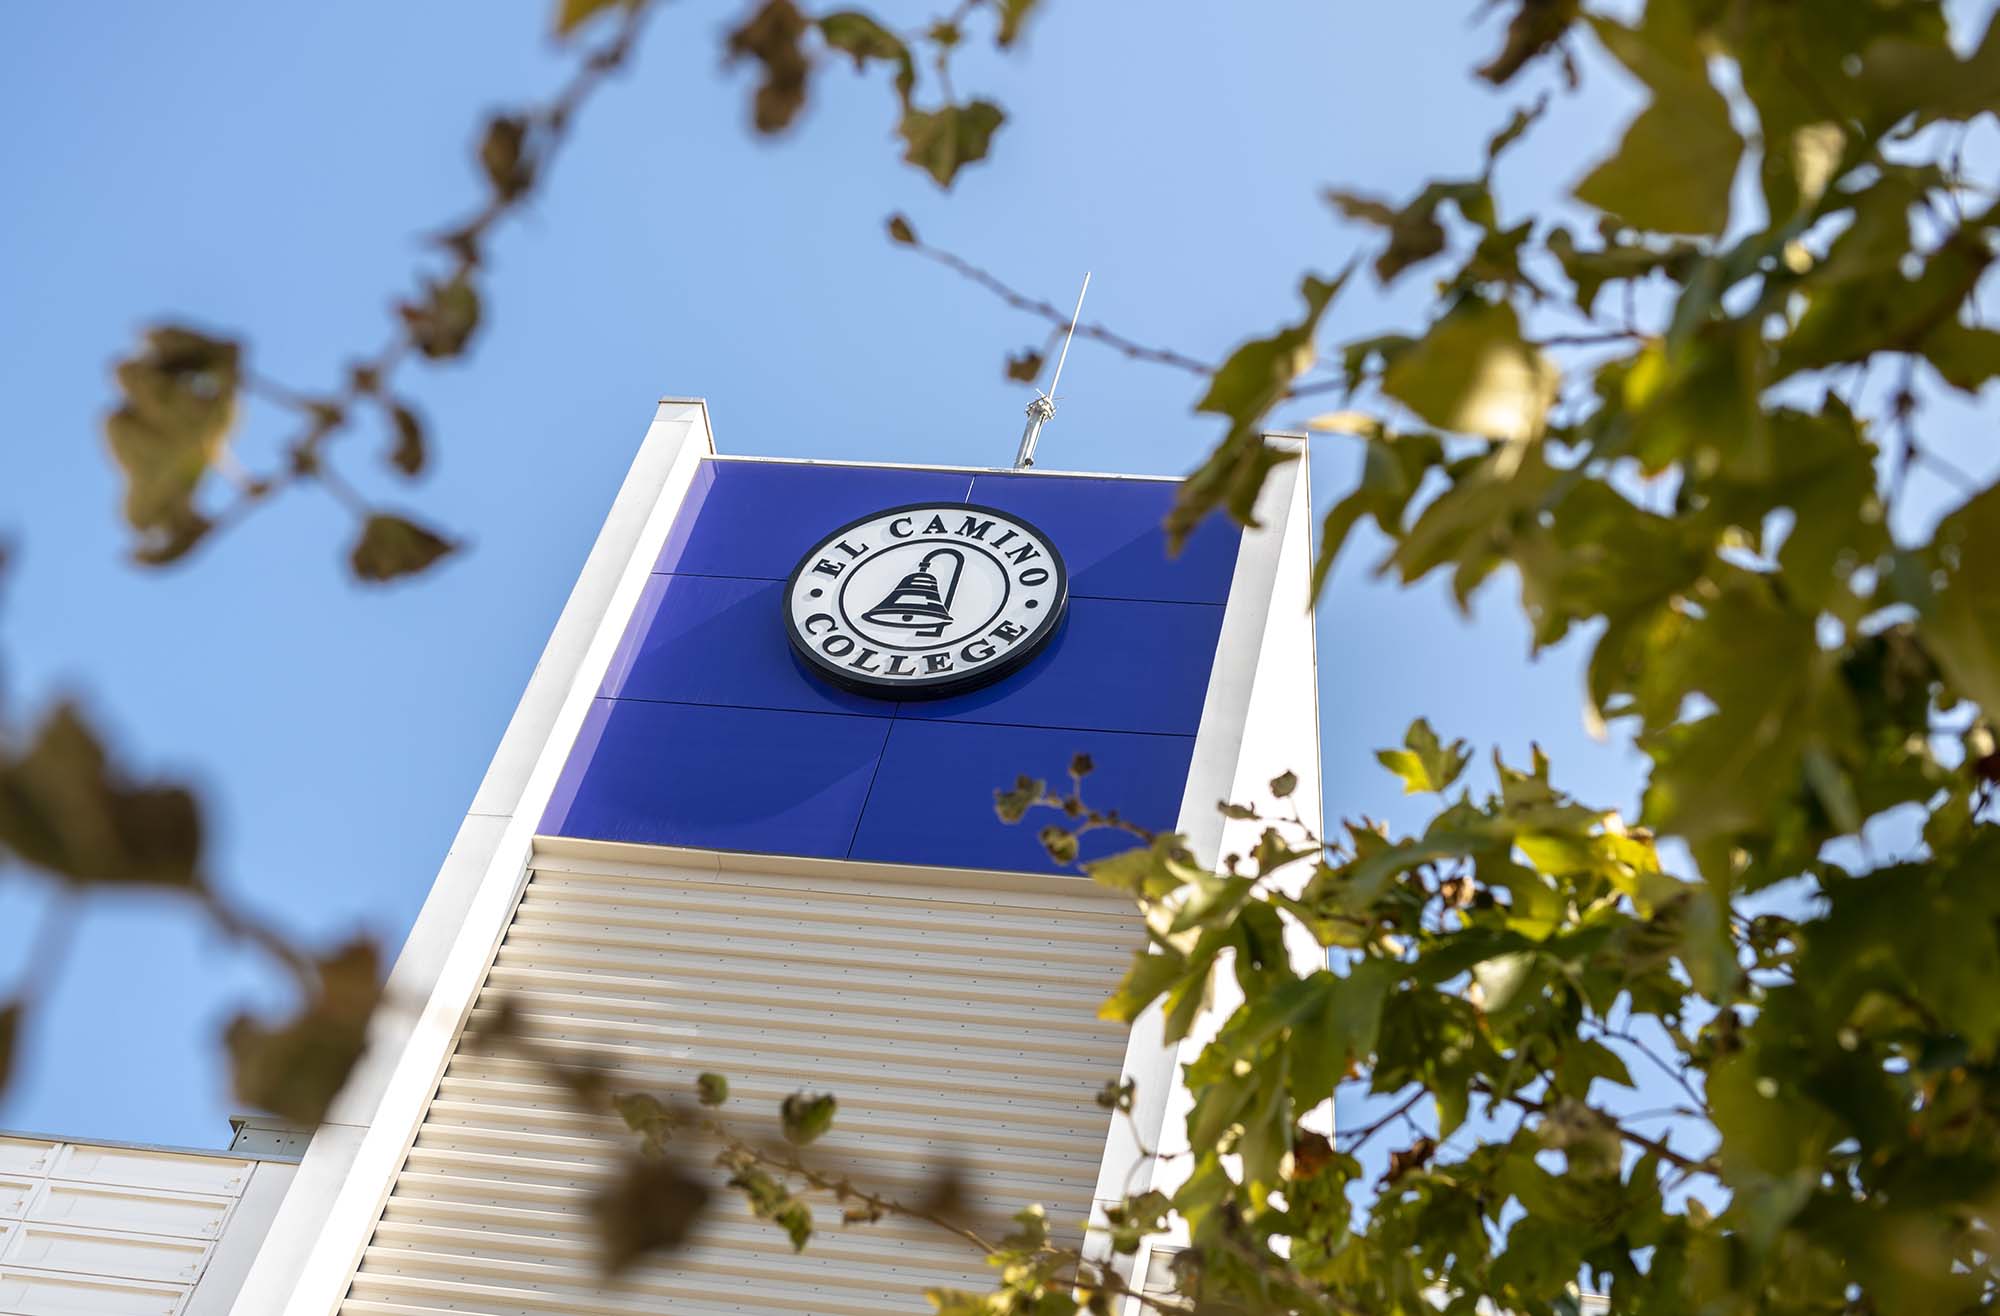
(269, 170)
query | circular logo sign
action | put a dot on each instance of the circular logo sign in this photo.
(925, 600)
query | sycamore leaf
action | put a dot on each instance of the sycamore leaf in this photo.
(652, 1206)
(70, 811)
(1537, 25)
(941, 142)
(773, 38)
(177, 405)
(805, 1116)
(294, 1069)
(573, 14)
(1960, 622)
(862, 37)
(1425, 764)
(391, 547)
(1673, 170)
(1472, 373)
(443, 322)
(408, 454)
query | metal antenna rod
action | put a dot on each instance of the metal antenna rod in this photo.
(1043, 408)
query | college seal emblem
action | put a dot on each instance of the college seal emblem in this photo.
(926, 600)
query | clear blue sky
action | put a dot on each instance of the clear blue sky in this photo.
(268, 169)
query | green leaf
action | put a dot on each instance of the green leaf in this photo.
(176, 407)
(805, 1116)
(773, 38)
(10, 1038)
(1536, 27)
(1013, 805)
(1014, 16)
(652, 1206)
(1960, 621)
(1152, 973)
(408, 454)
(1284, 784)
(295, 1069)
(67, 809)
(442, 324)
(391, 547)
(573, 14)
(1060, 842)
(503, 154)
(1967, 358)
(861, 36)
(711, 1089)
(1425, 765)
(1474, 374)
(941, 142)
(1673, 170)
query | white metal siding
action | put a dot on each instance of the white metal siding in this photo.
(89, 1230)
(954, 1018)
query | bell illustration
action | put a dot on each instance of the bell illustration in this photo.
(918, 604)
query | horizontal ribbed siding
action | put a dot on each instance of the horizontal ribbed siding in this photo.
(956, 1024)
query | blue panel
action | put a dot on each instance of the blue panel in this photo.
(717, 778)
(933, 796)
(1110, 535)
(720, 640)
(758, 518)
(1116, 665)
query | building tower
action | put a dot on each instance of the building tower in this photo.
(742, 821)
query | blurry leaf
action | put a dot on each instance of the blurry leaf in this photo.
(502, 154)
(1411, 1158)
(861, 36)
(1012, 805)
(943, 141)
(1535, 27)
(176, 406)
(711, 1089)
(295, 1069)
(1014, 15)
(900, 231)
(408, 454)
(1967, 358)
(1082, 765)
(572, 14)
(1516, 127)
(10, 1038)
(769, 1199)
(1673, 170)
(1473, 373)
(652, 1207)
(1960, 622)
(1025, 367)
(774, 38)
(647, 1116)
(68, 810)
(1591, 268)
(443, 323)
(1415, 235)
(806, 1116)
(1060, 842)
(1424, 764)
(391, 547)
(1284, 784)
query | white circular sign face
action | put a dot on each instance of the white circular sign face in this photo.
(925, 600)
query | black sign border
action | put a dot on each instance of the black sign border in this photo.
(938, 687)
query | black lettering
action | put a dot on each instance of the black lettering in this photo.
(1008, 631)
(1034, 576)
(860, 663)
(937, 662)
(826, 568)
(899, 665)
(1023, 553)
(851, 551)
(936, 527)
(971, 528)
(976, 652)
(899, 528)
(1004, 538)
(846, 644)
(807, 624)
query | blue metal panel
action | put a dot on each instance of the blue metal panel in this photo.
(718, 778)
(1110, 535)
(932, 802)
(720, 640)
(756, 518)
(1116, 665)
